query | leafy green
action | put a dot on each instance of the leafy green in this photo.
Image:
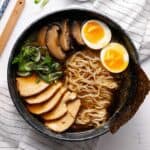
(37, 59)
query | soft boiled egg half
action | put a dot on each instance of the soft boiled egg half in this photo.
(114, 57)
(95, 34)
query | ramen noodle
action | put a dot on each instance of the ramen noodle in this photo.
(94, 86)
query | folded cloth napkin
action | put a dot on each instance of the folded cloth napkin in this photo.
(15, 133)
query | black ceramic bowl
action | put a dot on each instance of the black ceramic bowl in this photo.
(118, 35)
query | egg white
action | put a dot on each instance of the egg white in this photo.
(102, 42)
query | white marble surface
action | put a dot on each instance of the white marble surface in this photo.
(135, 135)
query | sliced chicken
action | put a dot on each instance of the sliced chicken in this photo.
(48, 105)
(42, 36)
(65, 36)
(45, 95)
(62, 124)
(61, 108)
(76, 32)
(52, 39)
(28, 86)
(67, 120)
(73, 107)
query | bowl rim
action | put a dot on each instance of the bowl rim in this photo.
(27, 119)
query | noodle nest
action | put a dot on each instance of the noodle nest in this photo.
(94, 86)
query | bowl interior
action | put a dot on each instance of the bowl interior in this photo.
(74, 14)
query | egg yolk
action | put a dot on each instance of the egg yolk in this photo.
(115, 59)
(93, 32)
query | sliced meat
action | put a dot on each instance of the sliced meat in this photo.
(76, 32)
(52, 42)
(48, 105)
(45, 95)
(65, 36)
(28, 86)
(61, 108)
(72, 96)
(62, 124)
(73, 107)
(67, 120)
(42, 36)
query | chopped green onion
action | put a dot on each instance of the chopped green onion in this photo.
(35, 59)
(23, 74)
(36, 1)
(51, 77)
(44, 3)
(26, 66)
